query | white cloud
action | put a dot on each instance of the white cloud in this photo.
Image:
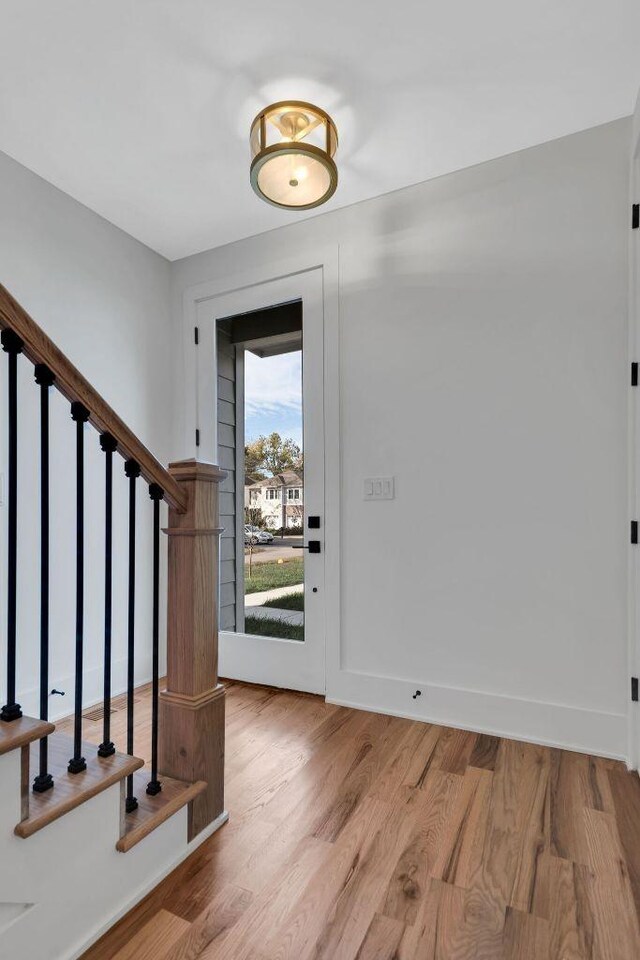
(272, 384)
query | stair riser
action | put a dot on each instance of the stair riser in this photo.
(72, 871)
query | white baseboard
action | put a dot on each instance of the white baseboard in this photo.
(149, 885)
(549, 724)
(93, 686)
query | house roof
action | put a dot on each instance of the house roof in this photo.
(288, 478)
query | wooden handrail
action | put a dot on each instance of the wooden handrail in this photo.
(70, 382)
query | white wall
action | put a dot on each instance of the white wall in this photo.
(483, 363)
(104, 299)
(483, 339)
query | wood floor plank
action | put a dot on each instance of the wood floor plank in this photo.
(326, 891)
(276, 717)
(454, 750)
(293, 930)
(577, 781)
(263, 866)
(606, 877)
(377, 747)
(346, 927)
(455, 925)
(475, 926)
(359, 837)
(422, 939)
(466, 820)
(155, 939)
(411, 876)
(313, 788)
(271, 772)
(390, 780)
(525, 937)
(533, 855)
(382, 939)
(248, 936)
(422, 758)
(355, 782)
(512, 844)
(625, 789)
(570, 938)
(212, 925)
(191, 888)
(485, 751)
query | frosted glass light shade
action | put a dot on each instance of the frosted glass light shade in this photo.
(292, 149)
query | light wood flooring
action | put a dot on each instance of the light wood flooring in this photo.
(355, 836)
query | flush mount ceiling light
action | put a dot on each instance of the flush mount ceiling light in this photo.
(292, 148)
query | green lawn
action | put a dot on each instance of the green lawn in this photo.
(273, 628)
(266, 576)
(294, 601)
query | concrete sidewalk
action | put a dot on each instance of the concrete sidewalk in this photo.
(293, 617)
(257, 599)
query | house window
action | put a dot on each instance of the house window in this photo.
(273, 494)
(293, 494)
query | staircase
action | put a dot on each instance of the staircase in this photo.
(85, 831)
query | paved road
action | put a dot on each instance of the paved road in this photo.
(280, 549)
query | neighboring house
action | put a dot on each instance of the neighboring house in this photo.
(279, 497)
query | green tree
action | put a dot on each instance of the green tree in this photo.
(273, 454)
(253, 515)
(253, 457)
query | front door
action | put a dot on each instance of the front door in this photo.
(260, 417)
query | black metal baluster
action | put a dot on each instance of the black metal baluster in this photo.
(132, 470)
(45, 379)
(80, 414)
(12, 345)
(156, 493)
(109, 445)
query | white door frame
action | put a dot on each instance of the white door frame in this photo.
(293, 272)
(633, 753)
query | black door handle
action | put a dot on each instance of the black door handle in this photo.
(313, 546)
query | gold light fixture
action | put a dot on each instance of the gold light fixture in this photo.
(292, 149)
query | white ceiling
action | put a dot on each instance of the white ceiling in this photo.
(141, 109)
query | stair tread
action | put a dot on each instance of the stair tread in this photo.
(19, 733)
(152, 811)
(71, 790)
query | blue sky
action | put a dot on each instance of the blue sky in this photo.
(273, 396)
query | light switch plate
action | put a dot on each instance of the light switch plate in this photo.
(379, 488)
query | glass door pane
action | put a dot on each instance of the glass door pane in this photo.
(273, 496)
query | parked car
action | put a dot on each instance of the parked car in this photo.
(256, 535)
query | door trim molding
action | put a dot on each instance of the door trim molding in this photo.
(633, 426)
(325, 259)
(239, 472)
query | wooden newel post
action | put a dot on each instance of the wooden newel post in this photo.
(191, 715)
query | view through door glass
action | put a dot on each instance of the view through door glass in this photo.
(274, 496)
(268, 572)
